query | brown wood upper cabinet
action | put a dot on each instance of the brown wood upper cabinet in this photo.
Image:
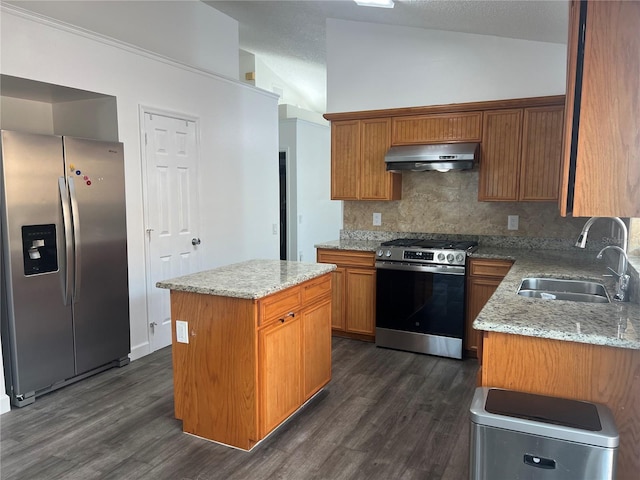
(601, 159)
(438, 128)
(358, 171)
(521, 154)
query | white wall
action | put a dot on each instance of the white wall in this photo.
(317, 218)
(26, 115)
(187, 31)
(371, 66)
(238, 138)
(91, 118)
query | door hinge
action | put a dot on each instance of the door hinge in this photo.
(145, 139)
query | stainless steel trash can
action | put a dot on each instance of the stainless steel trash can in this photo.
(516, 435)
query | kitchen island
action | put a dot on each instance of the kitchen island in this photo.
(583, 351)
(251, 343)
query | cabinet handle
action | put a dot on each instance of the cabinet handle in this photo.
(290, 314)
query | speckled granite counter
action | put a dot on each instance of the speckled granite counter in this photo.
(252, 279)
(616, 324)
(349, 244)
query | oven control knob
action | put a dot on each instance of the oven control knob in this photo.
(450, 257)
(380, 252)
(388, 253)
(459, 258)
(441, 257)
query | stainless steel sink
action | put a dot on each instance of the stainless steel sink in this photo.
(561, 289)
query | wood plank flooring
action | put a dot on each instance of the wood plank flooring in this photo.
(385, 415)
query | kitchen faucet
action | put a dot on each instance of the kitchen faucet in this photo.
(622, 284)
(582, 239)
(623, 279)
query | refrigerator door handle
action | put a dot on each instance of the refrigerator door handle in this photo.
(66, 222)
(75, 216)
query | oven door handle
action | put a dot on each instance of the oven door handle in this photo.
(412, 267)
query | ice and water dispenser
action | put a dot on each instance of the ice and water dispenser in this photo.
(39, 249)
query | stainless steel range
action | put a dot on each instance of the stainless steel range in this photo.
(420, 295)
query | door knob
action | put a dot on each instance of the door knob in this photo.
(195, 241)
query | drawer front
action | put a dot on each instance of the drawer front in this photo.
(277, 306)
(316, 288)
(347, 258)
(489, 268)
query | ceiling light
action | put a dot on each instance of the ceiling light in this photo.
(375, 3)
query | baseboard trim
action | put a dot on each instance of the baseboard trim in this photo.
(5, 404)
(140, 351)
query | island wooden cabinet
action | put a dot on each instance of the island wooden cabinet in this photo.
(354, 292)
(600, 171)
(358, 171)
(437, 128)
(484, 276)
(249, 364)
(521, 154)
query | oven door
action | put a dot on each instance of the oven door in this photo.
(421, 299)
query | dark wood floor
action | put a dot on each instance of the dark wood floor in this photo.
(385, 415)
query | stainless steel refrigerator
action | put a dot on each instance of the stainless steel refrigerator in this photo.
(64, 303)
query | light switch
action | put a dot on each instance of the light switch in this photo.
(182, 331)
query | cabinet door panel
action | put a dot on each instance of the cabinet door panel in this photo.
(501, 150)
(338, 299)
(316, 326)
(280, 364)
(375, 181)
(448, 127)
(479, 291)
(565, 200)
(541, 153)
(607, 181)
(345, 160)
(360, 308)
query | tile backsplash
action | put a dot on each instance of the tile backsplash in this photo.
(448, 203)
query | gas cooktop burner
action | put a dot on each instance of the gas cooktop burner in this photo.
(436, 244)
(414, 250)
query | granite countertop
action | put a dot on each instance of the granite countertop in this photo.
(350, 244)
(252, 279)
(616, 324)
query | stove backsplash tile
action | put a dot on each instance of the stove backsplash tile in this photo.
(447, 203)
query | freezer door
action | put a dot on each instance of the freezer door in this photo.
(39, 349)
(95, 174)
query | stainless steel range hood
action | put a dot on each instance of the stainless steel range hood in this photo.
(441, 157)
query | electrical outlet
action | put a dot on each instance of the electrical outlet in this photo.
(274, 228)
(182, 331)
(377, 219)
(512, 222)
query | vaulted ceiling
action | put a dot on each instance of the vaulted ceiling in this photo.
(289, 36)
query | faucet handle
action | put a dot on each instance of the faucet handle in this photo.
(614, 273)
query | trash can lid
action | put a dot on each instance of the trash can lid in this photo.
(559, 418)
(557, 411)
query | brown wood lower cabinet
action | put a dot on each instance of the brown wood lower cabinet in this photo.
(249, 364)
(354, 293)
(579, 371)
(484, 276)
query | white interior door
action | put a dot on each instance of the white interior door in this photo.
(172, 213)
